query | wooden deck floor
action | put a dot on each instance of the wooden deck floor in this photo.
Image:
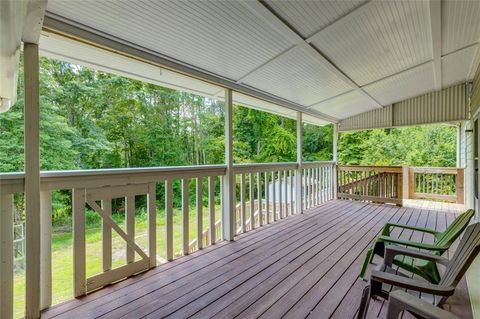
(304, 266)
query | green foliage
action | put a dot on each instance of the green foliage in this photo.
(425, 145)
(90, 119)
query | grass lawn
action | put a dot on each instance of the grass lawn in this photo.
(62, 253)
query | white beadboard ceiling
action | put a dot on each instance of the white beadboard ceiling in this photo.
(333, 58)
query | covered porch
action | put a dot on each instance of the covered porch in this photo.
(272, 240)
(303, 266)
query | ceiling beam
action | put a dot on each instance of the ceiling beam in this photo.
(263, 12)
(436, 32)
(82, 33)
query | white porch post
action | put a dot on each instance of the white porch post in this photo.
(32, 180)
(335, 159)
(298, 174)
(459, 145)
(228, 211)
(335, 142)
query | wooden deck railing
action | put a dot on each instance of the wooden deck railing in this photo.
(437, 183)
(267, 190)
(393, 184)
(381, 184)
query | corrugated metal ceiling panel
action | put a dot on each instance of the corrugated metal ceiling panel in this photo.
(403, 85)
(308, 17)
(447, 105)
(379, 39)
(345, 105)
(299, 77)
(378, 118)
(460, 24)
(222, 37)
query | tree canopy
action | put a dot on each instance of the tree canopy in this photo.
(91, 119)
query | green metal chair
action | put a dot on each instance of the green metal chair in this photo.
(425, 269)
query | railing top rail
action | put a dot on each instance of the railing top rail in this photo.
(317, 164)
(50, 180)
(263, 167)
(436, 170)
(365, 168)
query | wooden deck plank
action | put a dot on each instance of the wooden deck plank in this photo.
(276, 286)
(179, 268)
(210, 275)
(304, 244)
(303, 266)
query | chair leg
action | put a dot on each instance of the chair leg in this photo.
(368, 260)
(362, 311)
(394, 309)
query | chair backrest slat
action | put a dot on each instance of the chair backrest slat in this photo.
(464, 255)
(454, 230)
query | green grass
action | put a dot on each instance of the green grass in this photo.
(62, 252)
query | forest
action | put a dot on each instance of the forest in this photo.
(91, 119)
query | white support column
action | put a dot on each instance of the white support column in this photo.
(459, 145)
(335, 142)
(228, 211)
(298, 173)
(32, 181)
(335, 160)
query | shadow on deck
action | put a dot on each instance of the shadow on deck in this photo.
(303, 266)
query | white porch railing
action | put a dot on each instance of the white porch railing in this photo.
(267, 190)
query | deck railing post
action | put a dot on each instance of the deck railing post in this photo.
(335, 160)
(298, 172)
(459, 186)
(6, 255)
(32, 180)
(405, 183)
(228, 211)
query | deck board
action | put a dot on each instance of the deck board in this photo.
(303, 266)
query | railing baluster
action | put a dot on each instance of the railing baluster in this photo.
(285, 188)
(79, 271)
(152, 224)
(169, 218)
(280, 190)
(311, 182)
(45, 249)
(243, 214)
(252, 201)
(259, 196)
(211, 208)
(292, 209)
(274, 197)
(6, 256)
(185, 217)
(267, 199)
(305, 188)
(199, 195)
(130, 227)
(107, 236)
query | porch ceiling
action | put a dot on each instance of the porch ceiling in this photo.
(332, 59)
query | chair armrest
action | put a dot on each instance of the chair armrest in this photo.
(410, 283)
(388, 226)
(392, 251)
(400, 300)
(412, 243)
